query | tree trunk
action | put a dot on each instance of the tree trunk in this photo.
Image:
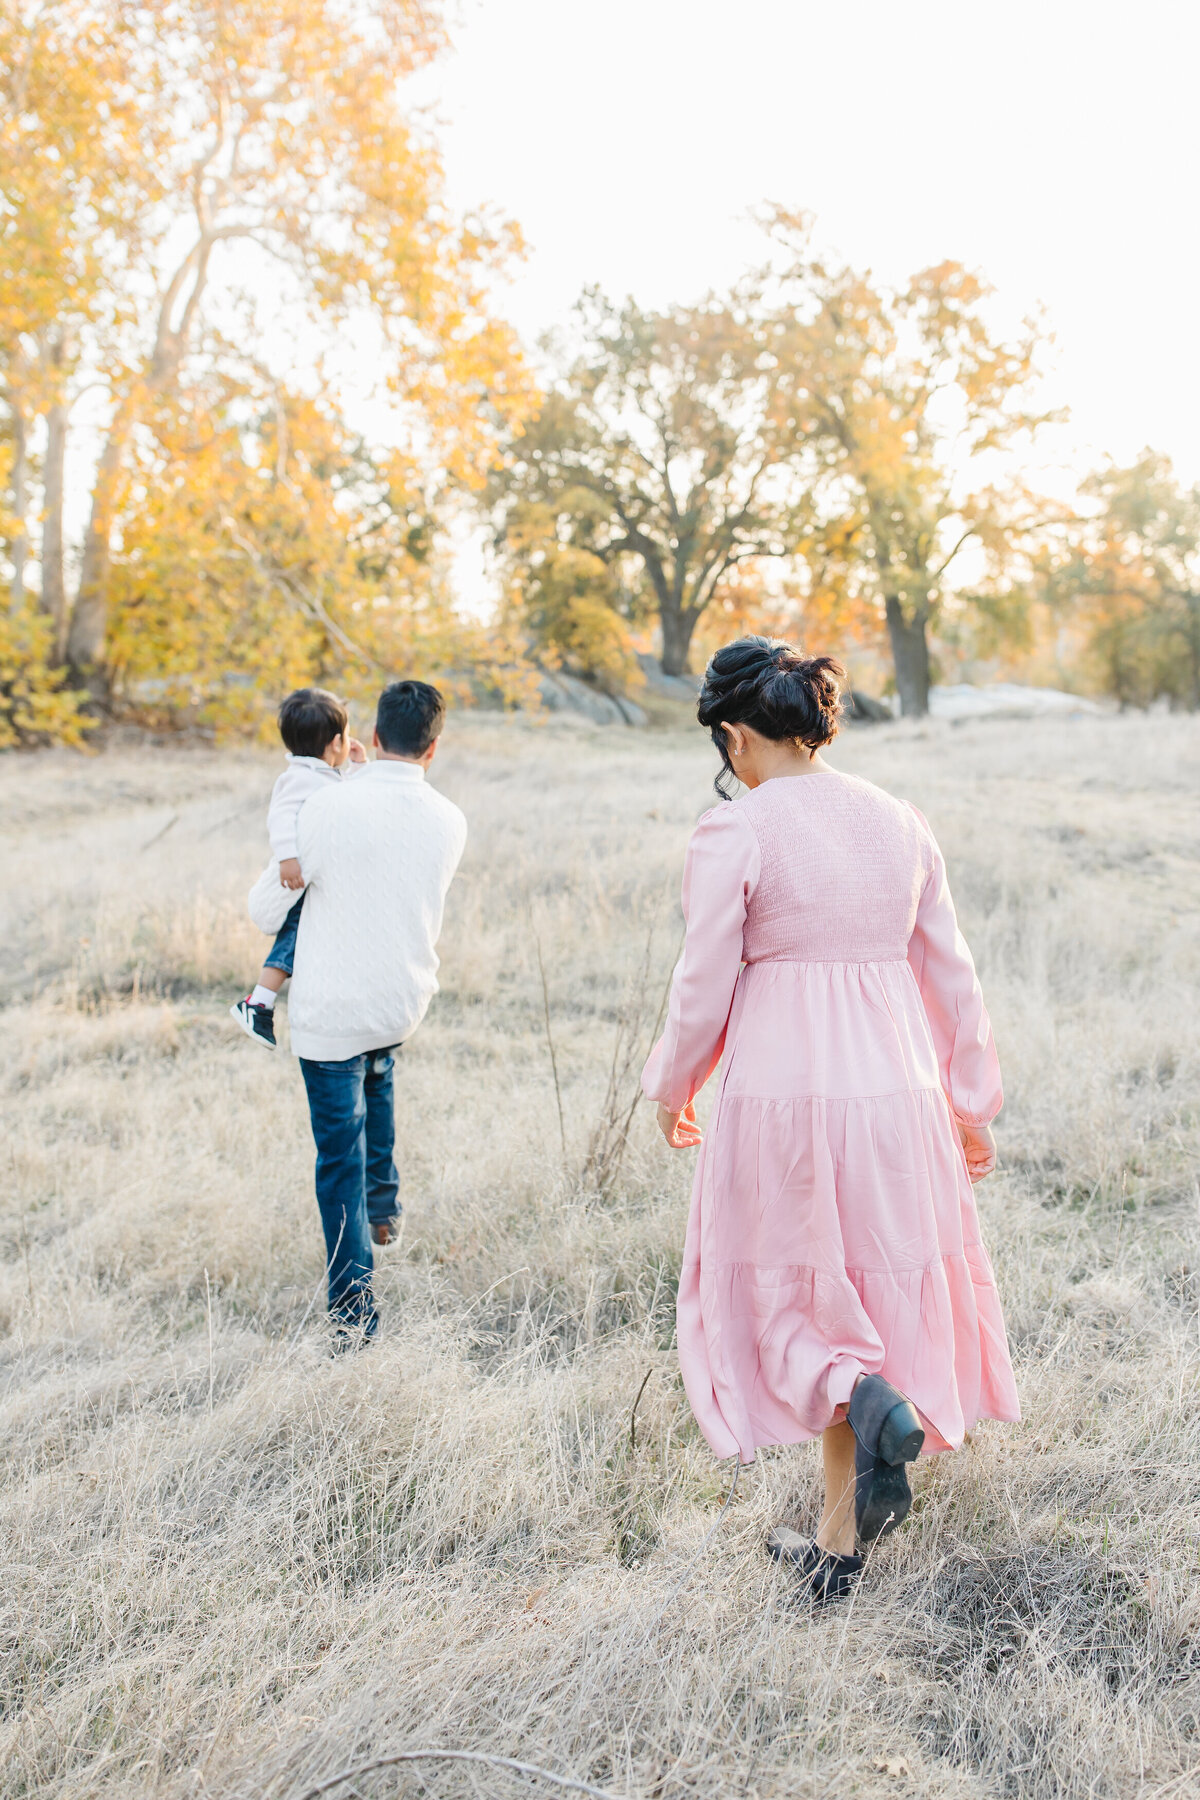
(89, 616)
(677, 628)
(20, 470)
(910, 657)
(54, 596)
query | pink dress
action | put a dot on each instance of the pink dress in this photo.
(833, 1227)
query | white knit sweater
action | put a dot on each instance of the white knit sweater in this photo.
(378, 854)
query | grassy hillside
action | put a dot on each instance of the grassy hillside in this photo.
(235, 1568)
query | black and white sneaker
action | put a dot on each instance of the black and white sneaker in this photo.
(257, 1022)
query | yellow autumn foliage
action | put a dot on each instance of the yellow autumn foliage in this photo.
(36, 707)
(263, 548)
(136, 147)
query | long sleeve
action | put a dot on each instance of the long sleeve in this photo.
(953, 1000)
(719, 876)
(270, 903)
(288, 795)
(303, 776)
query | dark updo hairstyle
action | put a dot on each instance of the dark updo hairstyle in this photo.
(769, 686)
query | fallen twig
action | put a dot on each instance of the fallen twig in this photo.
(161, 833)
(251, 806)
(475, 1756)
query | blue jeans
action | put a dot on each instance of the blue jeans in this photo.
(354, 1124)
(283, 950)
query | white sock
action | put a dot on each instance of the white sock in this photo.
(264, 997)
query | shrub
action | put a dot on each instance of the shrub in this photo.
(36, 705)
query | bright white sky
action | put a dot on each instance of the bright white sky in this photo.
(1054, 146)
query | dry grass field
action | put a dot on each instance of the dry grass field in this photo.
(232, 1567)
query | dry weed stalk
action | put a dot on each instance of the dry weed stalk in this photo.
(622, 1096)
(562, 1122)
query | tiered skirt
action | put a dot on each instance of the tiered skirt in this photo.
(833, 1228)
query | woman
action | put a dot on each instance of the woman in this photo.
(833, 1279)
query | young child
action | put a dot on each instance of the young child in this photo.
(313, 726)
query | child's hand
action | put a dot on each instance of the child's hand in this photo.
(980, 1148)
(679, 1128)
(289, 873)
(357, 753)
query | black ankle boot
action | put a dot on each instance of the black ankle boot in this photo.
(826, 1575)
(887, 1434)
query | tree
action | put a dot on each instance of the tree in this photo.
(567, 599)
(279, 127)
(669, 451)
(813, 417)
(35, 707)
(263, 546)
(905, 392)
(1133, 577)
(78, 133)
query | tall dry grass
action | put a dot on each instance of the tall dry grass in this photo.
(233, 1567)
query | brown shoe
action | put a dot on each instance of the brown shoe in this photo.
(385, 1233)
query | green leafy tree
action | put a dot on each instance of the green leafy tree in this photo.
(904, 394)
(670, 451)
(1132, 577)
(812, 416)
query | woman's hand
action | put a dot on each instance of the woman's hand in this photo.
(289, 873)
(357, 753)
(979, 1147)
(680, 1128)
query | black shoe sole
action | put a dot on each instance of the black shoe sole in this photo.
(887, 1435)
(886, 1500)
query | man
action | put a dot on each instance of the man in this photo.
(377, 855)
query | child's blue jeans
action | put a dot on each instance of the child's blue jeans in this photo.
(283, 950)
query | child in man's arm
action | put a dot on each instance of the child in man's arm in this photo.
(313, 725)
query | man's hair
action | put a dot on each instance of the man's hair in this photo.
(411, 714)
(310, 719)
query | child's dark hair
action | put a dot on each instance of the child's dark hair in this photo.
(310, 719)
(411, 714)
(774, 689)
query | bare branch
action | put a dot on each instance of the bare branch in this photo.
(193, 300)
(936, 574)
(293, 590)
